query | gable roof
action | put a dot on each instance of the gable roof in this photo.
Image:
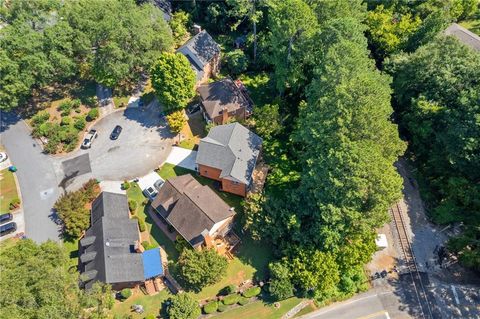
(190, 207)
(233, 149)
(221, 94)
(200, 50)
(464, 35)
(109, 244)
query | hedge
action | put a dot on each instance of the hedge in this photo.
(231, 299)
(242, 301)
(252, 292)
(230, 289)
(92, 114)
(221, 307)
(126, 293)
(125, 185)
(132, 205)
(14, 203)
(210, 307)
(141, 225)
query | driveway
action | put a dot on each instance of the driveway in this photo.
(183, 157)
(142, 146)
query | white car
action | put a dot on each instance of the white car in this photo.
(150, 193)
(3, 156)
(87, 142)
(158, 184)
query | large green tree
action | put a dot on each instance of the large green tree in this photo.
(183, 306)
(173, 80)
(35, 283)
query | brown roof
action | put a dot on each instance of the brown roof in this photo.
(190, 207)
(221, 94)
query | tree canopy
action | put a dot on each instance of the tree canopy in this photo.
(183, 306)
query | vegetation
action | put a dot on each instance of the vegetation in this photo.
(126, 293)
(210, 307)
(183, 306)
(8, 189)
(201, 268)
(235, 62)
(252, 292)
(231, 299)
(176, 121)
(132, 205)
(173, 80)
(180, 24)
(73, 210)
(280, 287)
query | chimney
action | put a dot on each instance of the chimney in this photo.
(208, 239)
(224, 115)
(197, 29)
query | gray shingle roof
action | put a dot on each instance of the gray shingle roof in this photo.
(200, 50)
(190, 207)
(464, 36)
(233, 149)
(221, 94)
(108, 253)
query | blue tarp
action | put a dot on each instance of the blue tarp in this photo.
(152, 263)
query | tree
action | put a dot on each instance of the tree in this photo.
(267, 121)
(280, 286)
(183, 306)
(99, 299)
(173, 80)
(179, 24)
(201, 268)
(235, 62)
(176, 121)
(33, 275)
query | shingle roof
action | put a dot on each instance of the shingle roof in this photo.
(221, 94)
(190, 207)
(200, 50)
(108, 246)
(463, 35)
(233, 149)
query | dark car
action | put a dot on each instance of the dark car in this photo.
(5, 218)
(116, 132)
(8, 228)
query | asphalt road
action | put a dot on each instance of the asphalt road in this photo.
(143, 145)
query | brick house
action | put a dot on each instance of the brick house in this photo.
(223, 100)
(229, 154)
(203, 53)
(194, 210)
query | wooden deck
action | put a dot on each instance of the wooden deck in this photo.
(259, 176)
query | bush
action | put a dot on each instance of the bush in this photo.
(125, 185)
(14, 203)
(210, 307)
(65, 107)
(52, 146)
(147, 245)
(92, 114)
(141, 225)
(80, 123)
(221, 307)
(235, 61)
(76, 103)
(242, 301)
(252, 292)
(126, 293)
(230, 289)
(40, 118)
(66, 121)
(91, 101)
(231, 299)
(132, 206)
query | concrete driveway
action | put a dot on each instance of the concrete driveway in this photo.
(142, 146)
(183, 158)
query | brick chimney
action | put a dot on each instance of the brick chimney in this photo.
(224, 115)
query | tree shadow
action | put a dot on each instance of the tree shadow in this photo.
(149, 117)
(8, 119)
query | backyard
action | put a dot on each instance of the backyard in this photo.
(8, 190)
(151, 304)
(260, 310)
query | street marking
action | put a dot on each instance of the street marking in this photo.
(373, 315)
(455, 294)
(46, 193)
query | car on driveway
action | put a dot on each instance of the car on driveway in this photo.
(3, 156)
(150, 192)
(8, 228)
(158, 184)
(87, 142)
(116, 132)
(5, 218)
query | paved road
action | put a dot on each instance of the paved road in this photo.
(36, 176)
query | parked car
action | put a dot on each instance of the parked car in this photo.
(116, 132)
(193, 108)
(158, 184)
(3, 156)
(87, 142)
(8, 228)
(5, 218)
(150, 192)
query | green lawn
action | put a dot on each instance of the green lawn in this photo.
(71, 246)
(8, 190)
(151, 304)
(120, 101)
(260, 310)
(311, 307)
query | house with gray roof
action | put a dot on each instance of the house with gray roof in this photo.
(110, 251)
(194, 210)
(229, 154)
(464, 35)
(203, 53)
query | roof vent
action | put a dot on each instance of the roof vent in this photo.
(107, 244)
(232, 209)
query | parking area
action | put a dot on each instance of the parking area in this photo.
(19, 219)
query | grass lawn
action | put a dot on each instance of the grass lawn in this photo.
(311, 307)
(151, 304)
(71, 246)
(193, 131)
(260, 310)
(8, 190)
(120, 101)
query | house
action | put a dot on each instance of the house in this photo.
(194, 210)
(223, 100)
(110, 251)
(464, 36)
(229, 154)
(203, 53)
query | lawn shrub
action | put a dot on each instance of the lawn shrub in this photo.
(125, 185)
(252, 292)
(221, 307)
(126, 293)
(141, 225)
(242, 301)
(92, 114)
(40, 118)
(76, 103)
(132, 205)
(210, 307)
(147, 245)
(66, 121)
(14, 203)
(231, 299)
(230, 289)
(52, 145)
(80, 123)
(65, 107)
(91, 101)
